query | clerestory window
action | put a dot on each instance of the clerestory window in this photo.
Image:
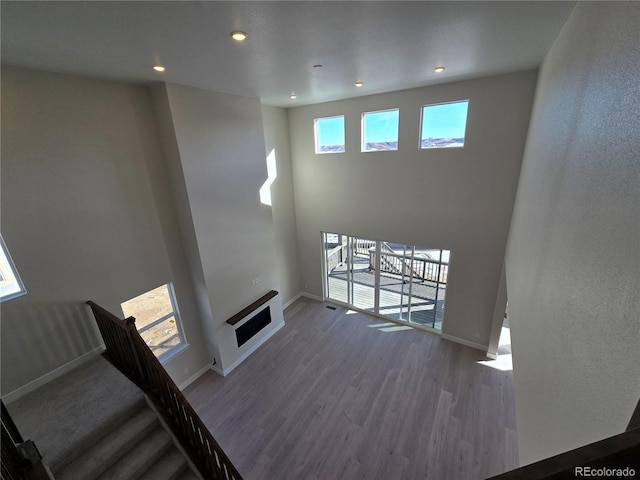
(443, 125)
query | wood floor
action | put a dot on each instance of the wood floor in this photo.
(342, 395)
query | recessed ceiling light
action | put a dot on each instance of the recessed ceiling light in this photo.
(238, 36)
(358, 84)
(438, 69)
(293, 96)
(159, 68)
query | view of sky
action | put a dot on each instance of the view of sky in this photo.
(381, 126)
(447, 120)
(330, 131)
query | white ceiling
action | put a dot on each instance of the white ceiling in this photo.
(389, 45)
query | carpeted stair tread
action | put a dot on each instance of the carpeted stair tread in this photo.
(81, 407)
(168, 467)
(140, 458)
(99, 457)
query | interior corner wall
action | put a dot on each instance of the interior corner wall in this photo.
(220, 143)
(184, 218)
(276, 134)
(86, 216)
(573, 260)
(459, 199)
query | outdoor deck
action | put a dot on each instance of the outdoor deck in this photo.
(425, 311)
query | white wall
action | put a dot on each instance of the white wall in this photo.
(276, 134)
(573, 263)
(220, 144)
(86, 214)
(457, 199)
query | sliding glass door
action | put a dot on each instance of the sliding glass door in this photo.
(406, 283)
(349, 277)
(395, 281)
(335, 267)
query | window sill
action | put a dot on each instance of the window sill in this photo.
(165, 357)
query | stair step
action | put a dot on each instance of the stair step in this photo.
(140, 458)
(81, 407)
(169, 467)
(98, 458)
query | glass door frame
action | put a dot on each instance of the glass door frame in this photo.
(408, 259)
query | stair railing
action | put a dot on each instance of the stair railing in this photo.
(12, 461)
(126, 349)
(417, 267)
(21, 460)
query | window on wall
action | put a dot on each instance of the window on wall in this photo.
(329, 133)
(443, 125)
(157, 319)
(380, 130)
(10, 284)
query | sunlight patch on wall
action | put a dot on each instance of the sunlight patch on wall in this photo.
(272, 173)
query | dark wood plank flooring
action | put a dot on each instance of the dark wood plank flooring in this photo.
(342, 395)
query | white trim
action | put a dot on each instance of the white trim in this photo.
(52, 375)
(156, 322)
(195, 376)
(312, 297)
(464, 342)
(226, 371)
(492, 356)
(292, 301)
(299, 296)
(178, 349)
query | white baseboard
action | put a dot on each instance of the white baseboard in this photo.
(299, 296)
(226, 371)
(312, 297)
(467, 343)
(52, 375)
(195, 376)
(292, 301)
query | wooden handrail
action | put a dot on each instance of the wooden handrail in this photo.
(423, 268)
(130, 354)
(616, 452)
(254, 306)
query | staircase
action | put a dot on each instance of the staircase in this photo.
(93, 423)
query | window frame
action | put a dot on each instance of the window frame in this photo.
(466, 120)
(363, 131)
(315, 134)
(11, 285)
(174, 313)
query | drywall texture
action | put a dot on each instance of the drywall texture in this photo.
(221, 148)
(459, 198)
(276, 139)
(573, 261)
(86, 215)
(184, 218)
